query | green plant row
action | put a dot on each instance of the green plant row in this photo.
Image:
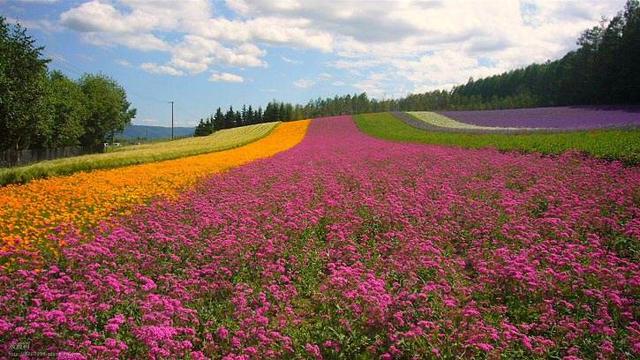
(138, 154)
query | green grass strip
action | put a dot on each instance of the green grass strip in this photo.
(138, 154)
(619, 144)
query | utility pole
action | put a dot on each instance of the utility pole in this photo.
(171, 119)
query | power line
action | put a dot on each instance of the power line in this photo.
(69, 66)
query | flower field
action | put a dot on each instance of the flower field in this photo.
(36, 215)
(441, 122)
(578, 117)
(349, 246)
(610, 144)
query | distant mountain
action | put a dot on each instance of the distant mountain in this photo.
(155, 132)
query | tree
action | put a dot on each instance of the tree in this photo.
(630, 52)
(270, 112)
(67, 104)
(201, 129)
(244, 116)
(218, 120)
(108, 110)
(250, 116)
(237, 119)
(230, 118)
(259, 115)
(25, 119)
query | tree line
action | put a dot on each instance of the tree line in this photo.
(42, 109)
(604, 69)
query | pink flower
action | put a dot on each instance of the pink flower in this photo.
(484, 347)
(222, 333)
(313, 350)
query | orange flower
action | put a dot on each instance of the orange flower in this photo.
(28, 213)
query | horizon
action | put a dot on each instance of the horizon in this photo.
(209, 54)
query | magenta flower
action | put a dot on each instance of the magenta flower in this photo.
(351, 246)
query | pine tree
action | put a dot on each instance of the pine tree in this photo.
(230, 118)
(250, 116)
(218, 120)
(201, 129)
(244, 120)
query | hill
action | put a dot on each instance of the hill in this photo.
(155, 132)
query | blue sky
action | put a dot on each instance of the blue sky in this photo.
(203, 54)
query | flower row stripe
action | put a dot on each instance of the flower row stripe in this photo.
(30, 213)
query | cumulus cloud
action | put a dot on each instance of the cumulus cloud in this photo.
(204, 41)
(226, 77)
(161, 69)
(134, 15)
(435, 44)
(137, 41)
(273, 30)
(427, 44)
(196, 54)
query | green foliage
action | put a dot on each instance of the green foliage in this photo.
(41, 110)
(231, 119)
(67, 101)
(138, 154)
(108, 110)
(203, 128)
(24, 114)
(623, 145)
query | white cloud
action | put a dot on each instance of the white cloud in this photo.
(425, 44)
(303, 83)
(226, 77)
(196, 54)
(95, 16)
(433, 44)
(139, 16)
(272, 30)
(161, 69)
(141, 41)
